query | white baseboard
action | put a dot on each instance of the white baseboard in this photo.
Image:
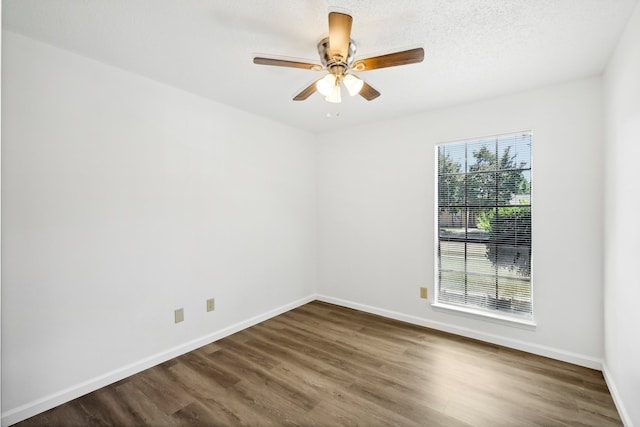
(30, 409)
(541, 350)
(622, 411)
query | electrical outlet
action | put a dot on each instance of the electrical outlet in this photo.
(178, 315)
(211, 304)
(423, 293)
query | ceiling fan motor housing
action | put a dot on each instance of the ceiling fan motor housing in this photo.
(336, 65)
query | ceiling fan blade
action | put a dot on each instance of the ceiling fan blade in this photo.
(306, 92)
(368, 92)
(339, 34)
(284, 63)
(405, 57)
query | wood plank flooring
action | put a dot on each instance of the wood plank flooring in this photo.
(325, 365)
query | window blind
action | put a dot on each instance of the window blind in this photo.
(484, 224)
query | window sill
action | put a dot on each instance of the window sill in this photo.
(488, 316)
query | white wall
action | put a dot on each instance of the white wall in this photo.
(376, 216)
(0, 202)
(622, 223)
(124, 199)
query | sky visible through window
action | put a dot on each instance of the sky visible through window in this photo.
(521, 151)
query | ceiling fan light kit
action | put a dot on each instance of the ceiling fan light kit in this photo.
(353, 84)
(334, 96)
(326, 84)
(337, 55)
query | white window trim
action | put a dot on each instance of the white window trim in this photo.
(511, 320)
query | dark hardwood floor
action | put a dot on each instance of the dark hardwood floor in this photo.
(322, 364)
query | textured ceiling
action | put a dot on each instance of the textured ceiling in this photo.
(474, 49)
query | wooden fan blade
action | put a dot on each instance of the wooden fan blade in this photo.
(405, 57)
(368, 92)
(284, 63)
(306, 92)
(339, 34)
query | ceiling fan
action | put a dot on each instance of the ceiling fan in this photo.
(337, 55)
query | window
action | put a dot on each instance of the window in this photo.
(484, 225)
